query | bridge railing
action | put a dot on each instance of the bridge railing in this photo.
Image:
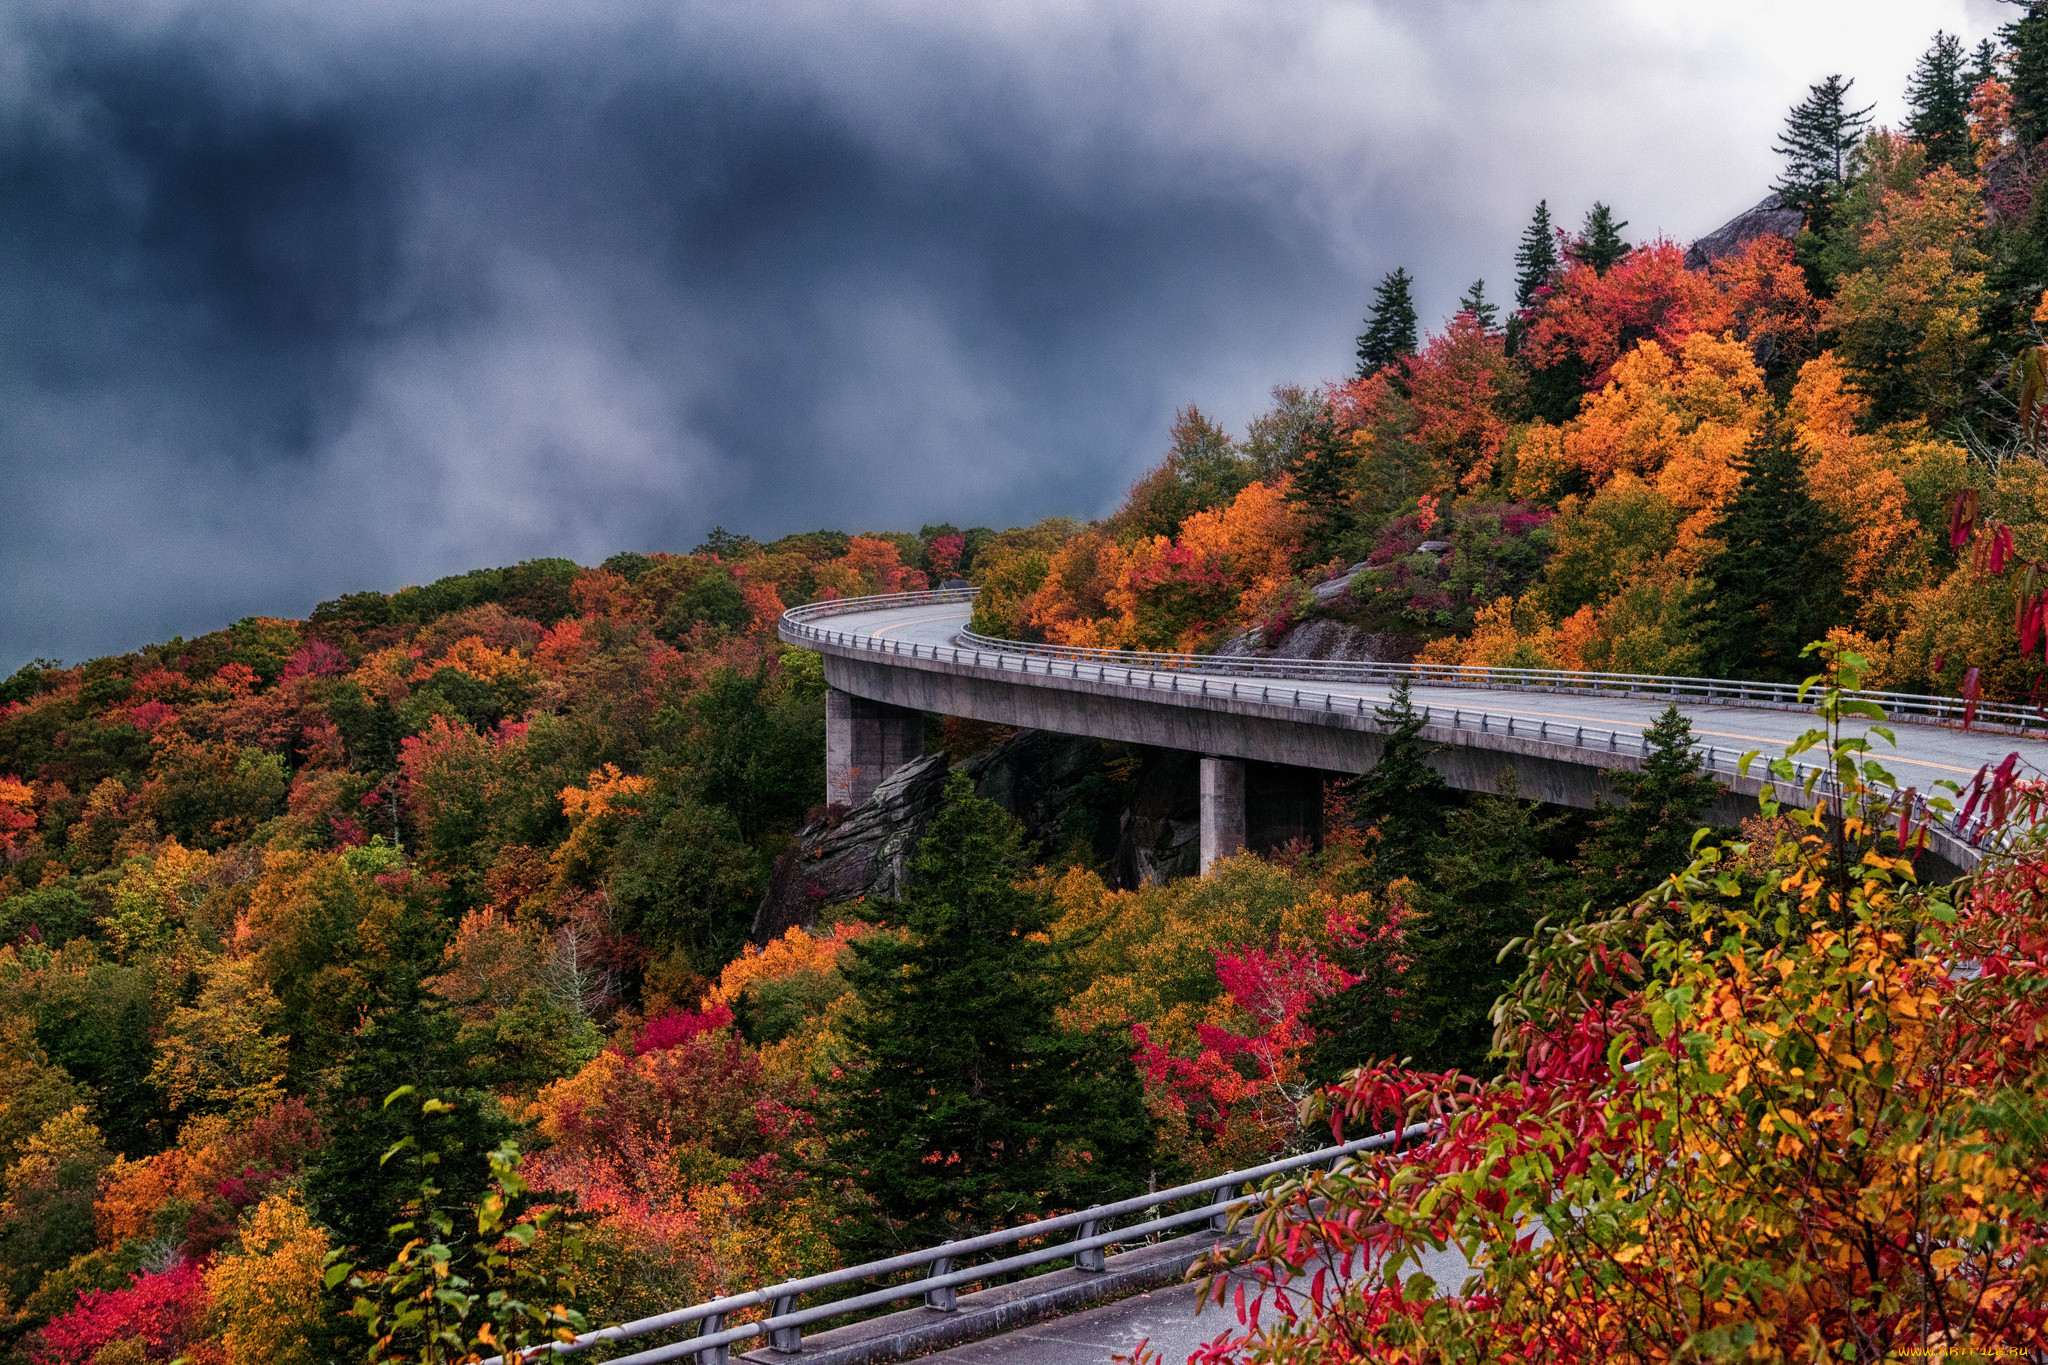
(1082, 1238)
(1721, 691)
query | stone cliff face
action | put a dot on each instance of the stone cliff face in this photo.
(840, 858)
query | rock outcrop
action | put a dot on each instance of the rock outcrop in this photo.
(1770, 218)
(865, 853)
(1324, 639)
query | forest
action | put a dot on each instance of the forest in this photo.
(378, 985)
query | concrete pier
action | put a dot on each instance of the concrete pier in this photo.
(865, 741)
(1222, 809)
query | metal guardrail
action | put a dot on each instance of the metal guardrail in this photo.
(782, 1328)
(1136, 671)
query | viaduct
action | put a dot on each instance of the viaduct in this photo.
(890, 660)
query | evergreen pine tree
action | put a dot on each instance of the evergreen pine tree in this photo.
(411, 1039)
(1553, 393)
(1475, 303)
(1390, 332)
(1599, 243)
(2026, 38)
(1983, 65)
(1536, 258)
(963, 1106)
(1429, 994)
(1401, 796)
(1633, 847)
(1325, 471)
(1819, 133)
(1776, 588)
(1940, 100)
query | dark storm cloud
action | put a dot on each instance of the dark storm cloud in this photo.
(295, 301)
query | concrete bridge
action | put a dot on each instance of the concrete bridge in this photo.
(890, 660)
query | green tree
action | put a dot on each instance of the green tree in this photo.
(1427, 990)
(1202, 469)
(1820, 132)
(1599, 243)
(683, 877)
(410, 1039)
(1939, 96)
(46, 1216)
(1325, 479)
(961, 1104)
(1634, 846)
(714, 600)
(2026, 38)
(1536, 258)
(1983, 65)
(1775, 585)
(1401, 799)
(1390, 330)
(1475, 302)
(1273, 440)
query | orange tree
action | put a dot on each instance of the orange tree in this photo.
(1787, 1106)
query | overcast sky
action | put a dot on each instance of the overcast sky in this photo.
(299, 298)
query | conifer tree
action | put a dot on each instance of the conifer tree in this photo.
(2026, 38)
(1599, 243)
(411, 1039)
(1983, 64)
(1401, 796)
(1475, 302)
(1634, 846)
(1325, 471)
(1776, 588)
(1429, 993)
(1536, 258)
(1819, 134)
(1390, 331)
(962, 1106)
(1940, 100)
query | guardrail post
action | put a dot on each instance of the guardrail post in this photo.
(713, 1355)
(945, 1299)
(1221, 1221)
(1091, 1259)
(786, 1339)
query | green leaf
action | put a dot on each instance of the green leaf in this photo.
(402, 1090)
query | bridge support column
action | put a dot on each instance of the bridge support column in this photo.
(865, 741)
(1222, 809)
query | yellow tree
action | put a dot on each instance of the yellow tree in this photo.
(1907, 317)
(268, 1301)
(221, 1051)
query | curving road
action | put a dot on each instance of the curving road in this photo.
(912, 654)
